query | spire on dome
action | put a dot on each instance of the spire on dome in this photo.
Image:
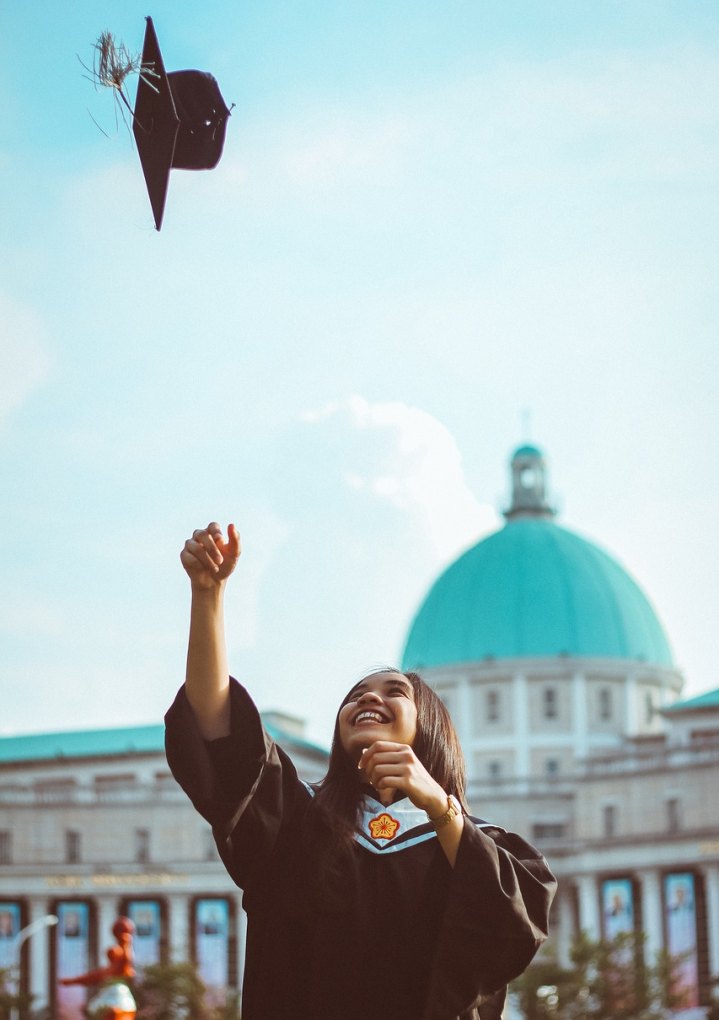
(529, 475)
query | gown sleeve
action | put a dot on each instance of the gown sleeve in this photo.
(244, 785)
(495, 919)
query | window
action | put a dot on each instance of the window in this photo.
(55, 791)
(72, 846)
(548, 830)
(495, 769)
(5, 846)
(673, 814)
(649, 707)
(142, 846)
(605, 703)
(609, 820)
(492, 706)
(113, 784)
(551, 766)
(549, 696)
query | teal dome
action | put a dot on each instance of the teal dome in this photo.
(534, 590)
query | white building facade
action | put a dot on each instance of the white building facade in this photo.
(561, 682)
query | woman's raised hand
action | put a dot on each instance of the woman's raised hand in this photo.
(209, 558)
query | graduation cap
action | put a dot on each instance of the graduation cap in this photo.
(179, 121)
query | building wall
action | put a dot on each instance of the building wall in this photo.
(140, 842)
(639, 814)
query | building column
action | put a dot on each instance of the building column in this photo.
(178, 924)
(107, 914)
(711, 881)
(589, 919)
(242, 942)
(564, 931)
(522, 758)
(580, 726)
(463, 717)
(652, 920)
(38, 946)
(631, 708)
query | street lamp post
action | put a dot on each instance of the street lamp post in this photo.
(47, 921)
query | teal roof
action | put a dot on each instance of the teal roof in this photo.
(101, 743)
(527, 451)
(710, 699)
(83, 743)
(534, 590)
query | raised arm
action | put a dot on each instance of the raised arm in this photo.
(209, 558)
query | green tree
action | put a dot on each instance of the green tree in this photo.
(608, 980)
(9, 1000)
(176, 992)
(231, 1008)
(170, 992)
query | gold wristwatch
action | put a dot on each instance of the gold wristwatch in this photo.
(454, 808)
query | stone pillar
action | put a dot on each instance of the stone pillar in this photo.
(522, 758)
(564, 932)
(241, 942)
(652, 920)
(178, 923)
(711, 880)
(631, 708)
(107, 914)
(579, 724)
(589, 919)
(463, 717)
(38, 946)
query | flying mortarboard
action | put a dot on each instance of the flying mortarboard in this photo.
(179, 121)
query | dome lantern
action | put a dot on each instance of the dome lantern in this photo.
(529, 482)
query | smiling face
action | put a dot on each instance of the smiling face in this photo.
(380, 707)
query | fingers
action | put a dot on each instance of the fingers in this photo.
(203, 548)
(207, 550)
(388, 765)
(381, 747)
(233, 541)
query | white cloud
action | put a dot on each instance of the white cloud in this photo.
(24, 362)
(420, 473)
(348, 149)
(598, 118)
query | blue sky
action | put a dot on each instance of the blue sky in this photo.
(427, 218)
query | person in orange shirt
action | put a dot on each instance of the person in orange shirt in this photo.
(115, 1001)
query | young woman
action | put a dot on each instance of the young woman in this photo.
(372, 894)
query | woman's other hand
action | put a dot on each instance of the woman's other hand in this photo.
(389, 767)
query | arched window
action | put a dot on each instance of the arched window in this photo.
(73, 846)
(605, 703)
(549, 700)
(609, 820)
(492, 705)
(673, 814)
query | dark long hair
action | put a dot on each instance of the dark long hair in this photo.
(436, 744)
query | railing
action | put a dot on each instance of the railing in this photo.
(150, 793)
(653, 759)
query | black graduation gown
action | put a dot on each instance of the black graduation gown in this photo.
(399, 933)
